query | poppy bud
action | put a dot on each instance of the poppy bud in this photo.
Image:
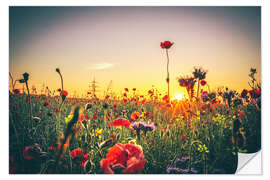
(63, 94)
(58, 70)
(26, 76)
(105, 105)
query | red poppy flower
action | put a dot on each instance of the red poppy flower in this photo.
(120, 122)
(143, 101)
(150, 92)
(125, 94)
(184, 136)
(166, 45)
(257, 92)
(46, 104)
(134, 116)
(95, 116)
(31, 152)
(16, 91)
(134, 89)
(56, 147)
(63, 93)
(86, 116)
(123, 158)
(254, 93)
(203, 82)
(109, 114)
(57, 110)
(78, 156)
(165, 98)
(126, 89)
(240, 113)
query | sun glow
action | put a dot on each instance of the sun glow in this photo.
(178, 97)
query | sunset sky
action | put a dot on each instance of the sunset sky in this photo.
(122, 44)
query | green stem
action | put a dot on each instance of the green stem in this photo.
(105, 121)
(204, 159)
(30, 107)
(208, 88)
(62, 83)
(168, 78)
(58, 115)
(189, 153)
(198, 89)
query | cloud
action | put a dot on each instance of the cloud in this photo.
(101, 66)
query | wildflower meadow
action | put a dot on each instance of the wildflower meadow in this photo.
(132, 132)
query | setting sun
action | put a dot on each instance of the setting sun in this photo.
(178, 96)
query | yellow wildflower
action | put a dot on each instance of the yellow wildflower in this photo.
(97, 133)
(68, 118)
(203, 148)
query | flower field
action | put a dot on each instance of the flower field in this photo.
(134, 133)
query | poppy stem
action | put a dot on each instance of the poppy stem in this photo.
(190, 152)
(168, 78)
(30, 107)
(63, 99)
(62, 83)
(208, 88)
(198, 88)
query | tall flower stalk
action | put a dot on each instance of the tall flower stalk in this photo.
(166, 45)
(199, 74)
(63, 95)
(25, 80)
(62, 84)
